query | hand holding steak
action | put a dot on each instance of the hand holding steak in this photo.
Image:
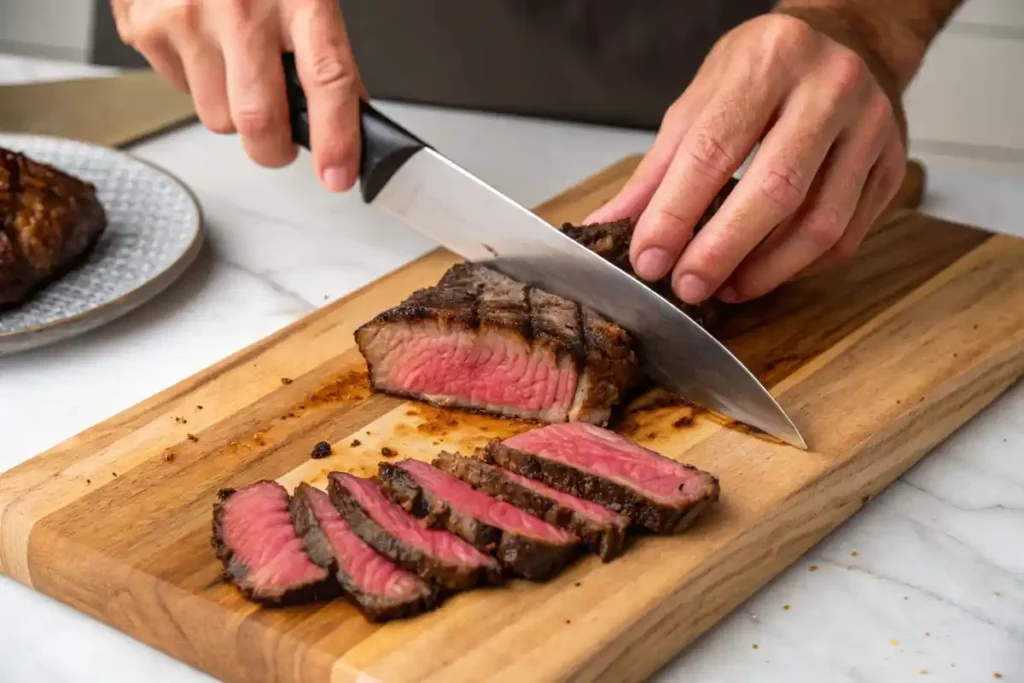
(49, 221)
(529, 547)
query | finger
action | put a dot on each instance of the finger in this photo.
(254, 83)
(822, 220)
(772, 189)
(165, 61)
(710, 152)
(631, 200)
(881, 186)
(327, 70)
(204, 70)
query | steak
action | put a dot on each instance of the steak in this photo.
(49, 222)
(656, 492)
(381, 589)
(433, 554)
(611, 241)
(482, 341)
(261, 552)
(603, 530)
(525, 545)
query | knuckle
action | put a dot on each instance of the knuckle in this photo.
(785, 188)
(823, 227)
(254, 122)
(183, 16)
(848, 71)
(881, 109)
(329, 70)
(785, 33)
(709, 155)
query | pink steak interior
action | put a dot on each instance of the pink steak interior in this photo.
(258, 529)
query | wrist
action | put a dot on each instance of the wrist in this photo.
(893, 47)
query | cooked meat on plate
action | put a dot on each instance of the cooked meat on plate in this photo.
(49, 221)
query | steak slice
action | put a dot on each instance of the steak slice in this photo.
(261, 552)
(593, 463)
(482, 341)
(381, 589)
(49, 222)
(603, 530)
(525, 545)
(433, 554)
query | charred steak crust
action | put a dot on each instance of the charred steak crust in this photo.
(235, 571)
(529, 558)
(606, 540)
(49, 222)
(473, 297)
(450, 577)
(375, 607)
(611, 241)
(659, 518)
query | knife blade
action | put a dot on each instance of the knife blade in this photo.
(405, 177)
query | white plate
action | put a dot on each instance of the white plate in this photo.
(154, 231)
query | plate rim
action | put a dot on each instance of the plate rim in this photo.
(144, 290)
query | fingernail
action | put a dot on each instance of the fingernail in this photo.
(691, 289)
(727, 295)
(653, 263)
(337, 179)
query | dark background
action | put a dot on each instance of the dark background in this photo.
(618, 62)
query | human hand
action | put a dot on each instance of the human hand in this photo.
(831, 157)
(227, 55)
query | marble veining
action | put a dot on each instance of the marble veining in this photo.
(926, 583)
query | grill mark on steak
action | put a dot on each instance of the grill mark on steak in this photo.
(49, 222)
(482, 341)
(601, 529)
(286, 576)
(656, 492)
(434, 555)
(524, 544)
(382, 590)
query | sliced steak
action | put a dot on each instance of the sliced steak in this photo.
(524, 544)
(433, 554)
(593, 463)
(49, 222)
(602, 529)
(381, 589)
(261, 552)
(482, 341)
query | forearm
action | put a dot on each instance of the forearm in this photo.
(895, 34)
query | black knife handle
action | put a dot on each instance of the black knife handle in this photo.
(384, 145)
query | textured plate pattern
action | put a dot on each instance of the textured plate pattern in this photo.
(154, 225)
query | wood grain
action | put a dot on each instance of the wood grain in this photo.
(877, 361)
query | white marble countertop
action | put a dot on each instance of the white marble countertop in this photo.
(925, 583)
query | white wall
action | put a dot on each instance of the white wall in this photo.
(47, 28)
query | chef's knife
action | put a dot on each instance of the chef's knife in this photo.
(404, 176)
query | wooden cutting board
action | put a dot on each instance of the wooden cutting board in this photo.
(877, 362)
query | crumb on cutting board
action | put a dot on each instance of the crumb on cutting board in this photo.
(321, 450)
